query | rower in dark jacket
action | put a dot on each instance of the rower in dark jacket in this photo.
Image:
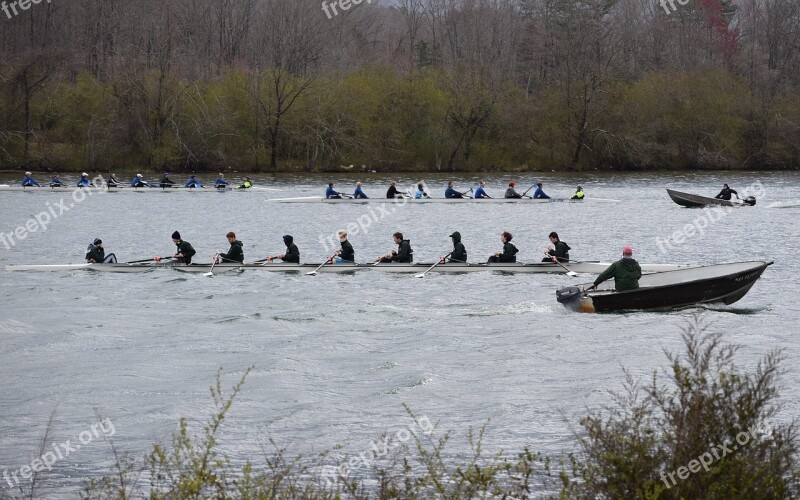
(726, 193)
(96, 254)
(185, 250)
(346, 254)
(450, 192)
(558, 251)
(236, 252)
(509, 253)
(511, 192)
(626, 272)
(292, 254)
(404, 253)
(392, 192)
(459, 253)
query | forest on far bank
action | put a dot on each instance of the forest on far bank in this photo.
(401, 85)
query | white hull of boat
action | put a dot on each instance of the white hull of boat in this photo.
(415, 201)
(539, 267)
(127, 189)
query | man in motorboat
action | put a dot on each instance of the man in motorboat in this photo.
(726, 193)
(626, 272)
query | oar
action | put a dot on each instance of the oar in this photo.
(526, 191)
(211, 272)
(314, 272)
(146, 260)
(422, 275)
(555, 259)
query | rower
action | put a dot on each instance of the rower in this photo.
(420, 192)
(578, 194)
(346, 254)
(247, 184)
(55, 181)
(558, 251)
(626, 272)
(292, 253)
(332, 194)
(359, 193)
(29, 181)
(166, 181)
(509, 253)
(452, 193)
(539, 194)
(84, 180)
(112, 181)
(481, 191)
(404, 253)
(96, 254)
(459, 253)
(185, 250)
(726, 192)
(235, 253)
(139, 181)
(392, 192)
(192, 183)
(221, 183)
(511, 192)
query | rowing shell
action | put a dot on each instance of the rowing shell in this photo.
(126, 189)
(450, 267)
(414, 201)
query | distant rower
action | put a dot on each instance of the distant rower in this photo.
(578, 194)
(166, 181)
(452, 193)
(392, 192)
(221, 183)
(481, 191)
(139, 181)
(726, 193)
(246, 184)
(185, 251)
(509, 253)
(55, 181)
(359, 193)
(235, 253)
(84, 180)
(559, 250)
(511, 192)
(420, 192)
(192, 183)
(404, 253)
(292, 253)
(96, 254)
(626, 272)
(112, 181)
(29, 181)
(331, 193)
(539, 194)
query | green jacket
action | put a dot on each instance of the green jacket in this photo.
(292, 254)
(347, 252)
(96, 255)
(459, 250)
(187, 250)
(561, 252)
(404, 252)
(626, 273)
(235, 254)
(509, 252)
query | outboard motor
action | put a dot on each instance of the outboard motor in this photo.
(750, 200)
(570, 296)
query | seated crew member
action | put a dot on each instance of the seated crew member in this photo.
(403, 254)
(459, 253)
(246, 184)
(192, 183)
(578, 194)
(331, 193)
(96, 254)
(420, 192)
(557, 251)
(292, 253)
(511, 192)
(185, 251)
(221, 182)
(452, 193)
(112, 180)
(481, 191)
(166, 181)
(392, 192)
(626, 272)
(84, 180)
(539, 194)
(235, 253)
(55, 181)
(29, 181)
(359, 193)
(139, 181)
(346, 254)
(509, 253)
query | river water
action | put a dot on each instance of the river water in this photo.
(335, 357)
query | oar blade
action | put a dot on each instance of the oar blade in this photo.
(311, 273)
(420, 275)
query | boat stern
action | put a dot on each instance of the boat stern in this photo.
(574, 299)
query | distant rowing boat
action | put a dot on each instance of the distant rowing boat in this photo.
(128, 189)
(317, 199)
(697, 201)
(450, 267)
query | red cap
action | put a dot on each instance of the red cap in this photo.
(627, 250)
(512, 183)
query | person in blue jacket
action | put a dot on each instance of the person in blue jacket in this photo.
(420, 192)
(56, 181)
(138, 181)
(452, 193)
(331, 193)
(84, 180)
(221, 182)
(192, 183)
(481, 192)
(539, 193)
(359, 193)
(28, 181)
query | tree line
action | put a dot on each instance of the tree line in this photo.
(401, 85)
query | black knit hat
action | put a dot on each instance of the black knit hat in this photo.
(176, 235)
